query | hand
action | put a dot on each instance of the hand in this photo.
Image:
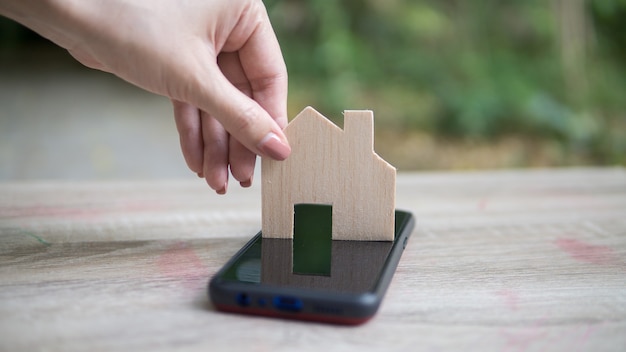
(218, 60)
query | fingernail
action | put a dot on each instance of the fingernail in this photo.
(273, 147)
(246, 184)
(223, 190)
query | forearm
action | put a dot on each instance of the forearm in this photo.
(52, 19)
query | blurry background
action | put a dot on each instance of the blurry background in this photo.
(453, 84)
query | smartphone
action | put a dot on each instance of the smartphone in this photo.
(311, 277)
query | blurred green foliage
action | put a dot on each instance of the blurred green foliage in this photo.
(465, 69)
(533, 70)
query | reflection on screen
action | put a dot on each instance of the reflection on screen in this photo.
(343, 266)
(354, 265)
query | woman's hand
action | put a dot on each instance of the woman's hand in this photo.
(218, 60)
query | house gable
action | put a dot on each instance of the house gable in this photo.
(332, 166)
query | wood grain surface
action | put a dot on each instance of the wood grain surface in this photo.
(499, 261)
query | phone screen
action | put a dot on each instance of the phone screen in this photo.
(311, 260)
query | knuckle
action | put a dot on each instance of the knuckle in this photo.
(269, 82)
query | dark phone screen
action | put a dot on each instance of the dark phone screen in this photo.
(312, 260)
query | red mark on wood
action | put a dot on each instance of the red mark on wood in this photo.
(540, 337)
(572, 339)
(181, 263)
(585, 252)
(48, 211)
(80, 212)
(521, 339)
(511, 298)
(482, 204)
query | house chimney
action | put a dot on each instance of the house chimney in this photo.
(358, 127)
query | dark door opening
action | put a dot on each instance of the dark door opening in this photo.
(312, 239)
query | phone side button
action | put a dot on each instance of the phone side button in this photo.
(243, 300)
(288, 304)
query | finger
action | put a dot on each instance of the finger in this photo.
(240, 158)
(189, 129)
(263, 64)
(230, 65)
(215, 160)
(241, 116)
(241, 162)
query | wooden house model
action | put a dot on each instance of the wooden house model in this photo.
(335, 167)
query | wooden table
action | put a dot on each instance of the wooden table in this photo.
(504, 261)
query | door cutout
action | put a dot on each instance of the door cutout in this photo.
(312, 239)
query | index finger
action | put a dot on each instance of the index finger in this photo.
(264, 66)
